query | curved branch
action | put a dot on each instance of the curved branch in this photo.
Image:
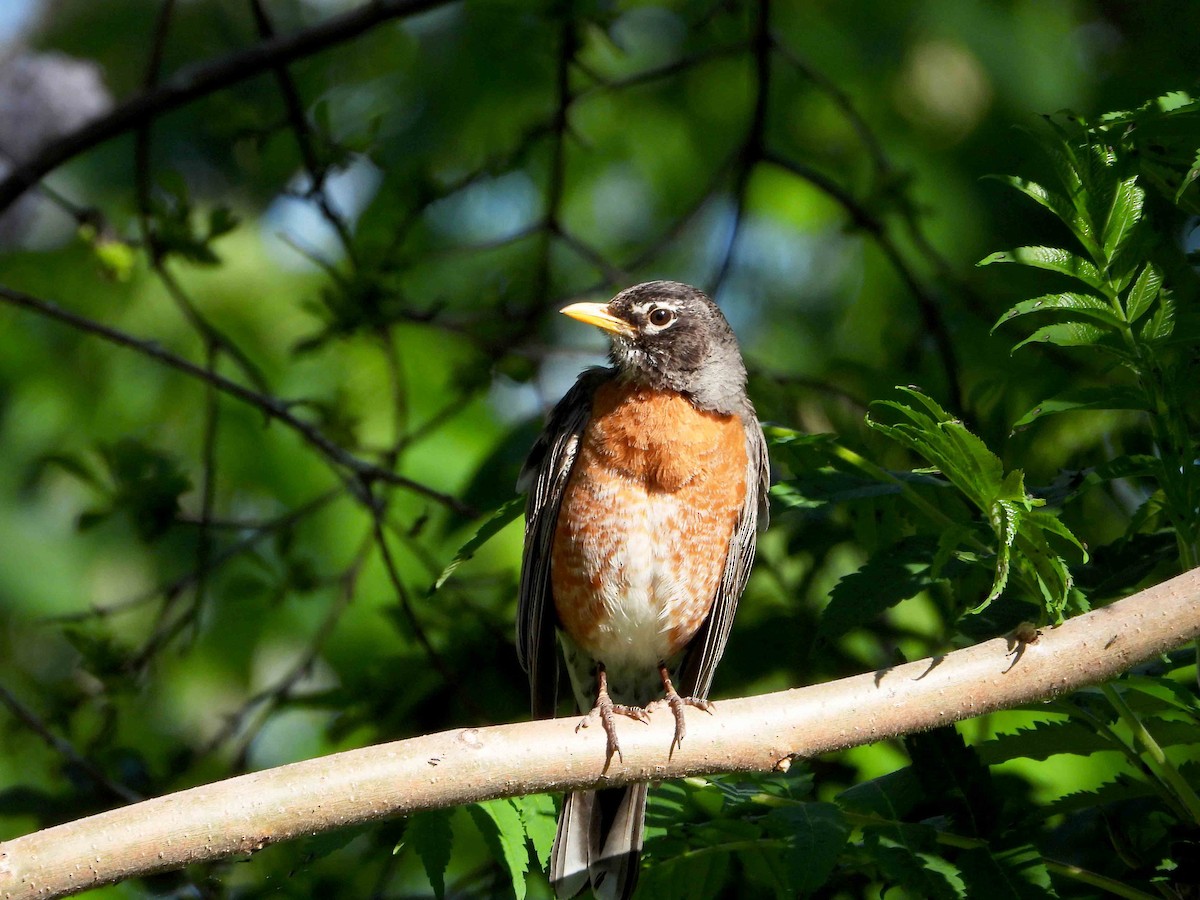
(269, 406)
(203, 79)
(244, 814)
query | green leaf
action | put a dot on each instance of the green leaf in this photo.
(539, 819)
(1123, 787)
(697, 876)
(1143, 293)
(1086, 306)
(904, 854)
(489, 529)
(431, 838)
(1114, 397)
(148, 486)
(978, 473)
(889, 576)
(892, 796)
(1170, 692)
(1051, 259)
(1066, 334)
(500, 824)
(1160, 325)
(1056, 203)
(816, 834)
(1016, 873)
(1043, 740)
(1124, 213)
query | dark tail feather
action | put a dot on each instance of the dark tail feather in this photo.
(599, 836)
(576, 841)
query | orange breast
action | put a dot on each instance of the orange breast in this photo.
(645, 524)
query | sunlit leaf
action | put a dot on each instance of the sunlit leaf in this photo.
(1143, 293)
(1070, 304)
(1051, 259)
(500, 824)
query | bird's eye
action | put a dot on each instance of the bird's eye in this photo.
(660, 316)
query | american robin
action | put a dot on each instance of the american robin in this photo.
(645, 491)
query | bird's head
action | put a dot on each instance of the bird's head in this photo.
(671, 336)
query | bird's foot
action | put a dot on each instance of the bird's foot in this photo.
(606, 712)
(672, 699)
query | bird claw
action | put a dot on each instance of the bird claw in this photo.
(677, 703)
(606, 712)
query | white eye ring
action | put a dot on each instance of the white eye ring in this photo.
(661, 317)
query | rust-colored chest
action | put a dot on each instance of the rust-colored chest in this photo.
(644, 528)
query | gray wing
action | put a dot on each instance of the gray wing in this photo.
(545, 476)
(705, 651)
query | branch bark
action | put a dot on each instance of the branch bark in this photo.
(204, 79)
(242, 815)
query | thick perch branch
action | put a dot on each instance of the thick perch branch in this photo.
(245, 814)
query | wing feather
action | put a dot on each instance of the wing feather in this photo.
(705, 651)
(545, 476)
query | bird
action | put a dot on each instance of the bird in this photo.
(646, 491)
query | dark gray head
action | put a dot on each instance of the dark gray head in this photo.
(672, 336)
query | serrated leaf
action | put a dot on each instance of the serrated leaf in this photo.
(431, 838)
(1160, 325)
(1016, 873)
(888, 577)
(1050, 259)
(494, 524)
(1170, 692)
(952, 776)
(1056, 203)
(1114, 397)
(891, 796)
(816, 834)
(1068, 303)
(500, 824)
(1124, 213)
(903, 854)
(539, 820)
(1123, 787)
(1143, 293)
(1043, 740)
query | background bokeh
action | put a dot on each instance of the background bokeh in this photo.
(377, 241)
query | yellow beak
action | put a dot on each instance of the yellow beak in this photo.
(598, 314)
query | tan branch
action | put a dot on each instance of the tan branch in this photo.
(245, 814)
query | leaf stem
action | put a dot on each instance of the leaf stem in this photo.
(1162, 765)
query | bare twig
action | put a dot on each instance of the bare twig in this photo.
(864, 219)
(271, 407)
(245, 814)
(203, 79)
(66, 750)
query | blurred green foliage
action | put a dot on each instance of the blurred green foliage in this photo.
(373, 244)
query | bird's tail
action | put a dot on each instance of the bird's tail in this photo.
(599, 838)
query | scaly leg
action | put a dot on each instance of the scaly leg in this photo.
(606, 711)
(671, 698)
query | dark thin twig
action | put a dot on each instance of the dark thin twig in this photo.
(203, 79)
(558, 160)
(268, 698)
(752, 150)
(657, 73)
(261, 531)
(414, 623)
(271, 407)
(317, 170)
(65, 749)
(866, 220)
